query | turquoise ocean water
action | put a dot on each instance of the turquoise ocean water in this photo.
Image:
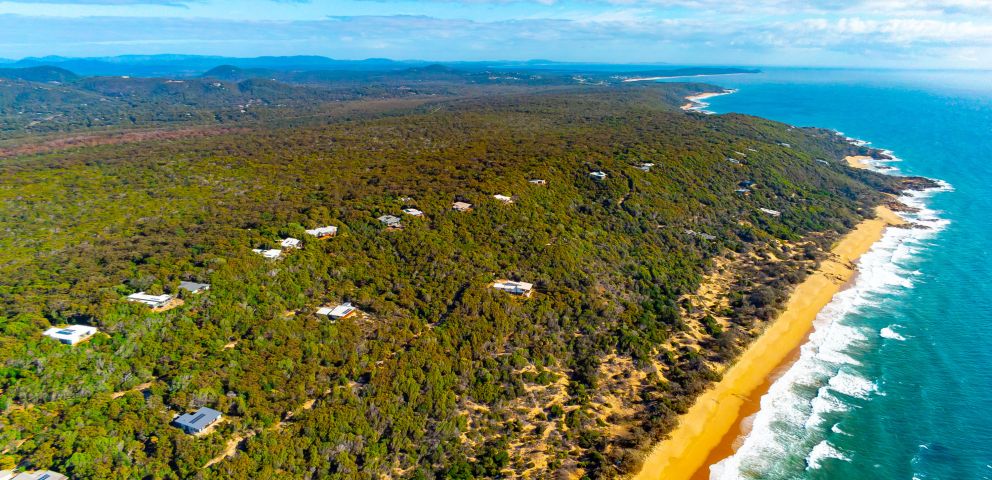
(896, 380)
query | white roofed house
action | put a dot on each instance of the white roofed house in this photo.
(774, 213)
(391, 222)
(503, 198)
(645, 167)
(290, 242)
(271, 254)
(516, 288)
(413, 212)
(155, 302)
(538, 181)
(461, 206)
(31, 475)
(323, 232)
(598, 175)
(71, 334)
(338, 312)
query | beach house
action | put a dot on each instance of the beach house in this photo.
(413, 212)
(271, 254)
(198, 421)
(390, 221)
(323, 232)
(71, 334)
(503, 198)
(31, 475)
(461, 206)
(153, 301)
(290, 242)
(338, 312)
(516, 288)
(598, 175)
(193, 287)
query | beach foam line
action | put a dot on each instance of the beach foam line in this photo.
(702, 431)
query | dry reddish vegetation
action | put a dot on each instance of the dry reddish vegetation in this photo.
(33, 147)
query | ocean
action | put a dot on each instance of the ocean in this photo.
(896, 380)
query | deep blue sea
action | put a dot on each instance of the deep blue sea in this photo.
(896, 380)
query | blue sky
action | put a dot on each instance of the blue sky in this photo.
(889, 33)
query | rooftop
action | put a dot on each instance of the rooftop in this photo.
(153, 301)
(327, 231)
(271, 254)
(34, 475)
(71, 334)
(194, 287)
(290, 242)
(503, 198)
(413, 211)
(199, 419)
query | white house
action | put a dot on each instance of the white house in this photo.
(646, 167)
(413, 211)
(598, 175)
(31, 475)
(72, 334)
(270, 254)
(503, 198)
(343, 310)
(774, 213)
(461, 206)
(516, 288)
(538, 181)
(323, 232)
(153, 301)
(290, 242)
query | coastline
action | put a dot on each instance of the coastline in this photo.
(707, 432)
(696, 103)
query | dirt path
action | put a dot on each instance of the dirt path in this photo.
(136, 388)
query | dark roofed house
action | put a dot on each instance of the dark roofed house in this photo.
(193, 287)
(197, 421)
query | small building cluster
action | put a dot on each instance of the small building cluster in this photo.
(71, 334)
(198, 421)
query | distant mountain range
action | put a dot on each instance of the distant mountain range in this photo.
(195, 65)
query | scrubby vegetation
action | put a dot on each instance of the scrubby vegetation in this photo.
(442, 377)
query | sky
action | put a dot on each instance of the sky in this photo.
(841, 33)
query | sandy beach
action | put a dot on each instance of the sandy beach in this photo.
(706, 433)
(859, 161)
(695, 101)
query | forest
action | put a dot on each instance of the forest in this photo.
(440, 376)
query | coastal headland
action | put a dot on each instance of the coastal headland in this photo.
(706, 433)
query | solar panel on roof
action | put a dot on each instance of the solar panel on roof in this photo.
(197, 418)
(44, 477)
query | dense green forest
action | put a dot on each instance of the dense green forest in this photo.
(432, 379)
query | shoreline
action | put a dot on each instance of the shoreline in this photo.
(647, 79)
(707, 433)
(696, 103)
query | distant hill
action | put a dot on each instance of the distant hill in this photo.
(39, 74)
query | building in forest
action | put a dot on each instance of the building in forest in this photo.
(198, 421)
(338, 312)
(31, 475)
(323, 232)
(503, 198)
(290, 242)
(461, 206)
(71, 334)
(774, 213)
(413, 212)
(271, 254)
(598, 175)
(515, 288)
(193, 287)
(153, 301)
(538, 181)
(645, 167)
(391, 221)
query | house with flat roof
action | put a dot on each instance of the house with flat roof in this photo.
(290, 242)
(390, 221)
(32, 475)
(71, 334)
(338, 312)
(538, 181)
(774, 213)
(515, 288)
(271, 254)
(598, 175)
(153, 301)
(197, 421)
(645, 167)
(503, 198)
(413, 212)
(461, 206)
(193, 287)
(323, 232)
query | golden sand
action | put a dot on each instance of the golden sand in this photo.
(858, 161)
(706, 433)
(694, 99)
